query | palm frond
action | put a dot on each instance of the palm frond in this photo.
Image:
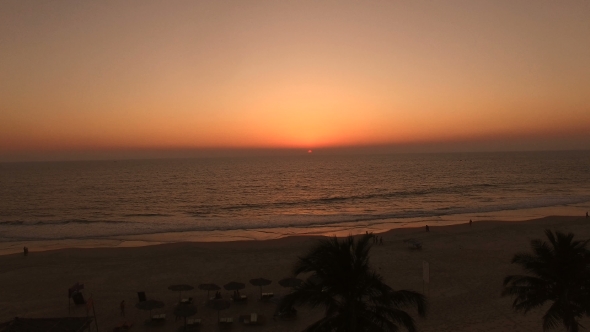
(560, 272)
(355, 298)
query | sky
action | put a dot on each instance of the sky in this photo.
(80, 79)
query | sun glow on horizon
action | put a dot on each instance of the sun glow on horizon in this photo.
(306, 75)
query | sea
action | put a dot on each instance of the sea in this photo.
(135, 202)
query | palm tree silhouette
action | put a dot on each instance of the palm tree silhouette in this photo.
(561, 270)
(354, 296)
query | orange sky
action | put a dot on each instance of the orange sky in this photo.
(88, 76)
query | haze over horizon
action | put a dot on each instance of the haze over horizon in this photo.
(81, 80)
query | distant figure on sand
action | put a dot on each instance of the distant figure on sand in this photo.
(25, 251)
(427, 228)
(586, 214)
(381, 240)
(123, 308)
(470, 222)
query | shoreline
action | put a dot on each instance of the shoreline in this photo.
(467, 266)
(221, 237)
(339, 230)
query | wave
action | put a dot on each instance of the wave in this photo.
(61, 222)
(147, 215)
(209, 209)
(288, 221)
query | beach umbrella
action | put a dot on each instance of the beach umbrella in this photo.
(231, 286)
(209, 287)
(185, 310)
(150, 305)
(219, 304)
(234, 286)
(260, 282)
(290, 282)
(180, 288)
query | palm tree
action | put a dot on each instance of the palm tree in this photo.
(355, 297)
(561, 276)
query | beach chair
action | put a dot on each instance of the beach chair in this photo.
(78, 298)
(225, 322)
(123, 327)
(141, 296)
(252, 319)
(193, 322)
(240, 298)
(266, 296)
(187, 301)
(159, 318)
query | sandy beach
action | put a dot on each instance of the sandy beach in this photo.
(467, 266)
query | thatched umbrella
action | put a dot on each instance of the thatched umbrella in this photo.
(290, 282)
(209, 287)
(219, 304)
(185, 310)
(234, 285)
(150, 305)
(180, 288)
(260, 282)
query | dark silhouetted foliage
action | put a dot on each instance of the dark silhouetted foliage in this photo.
(559, 274)
(355, 297)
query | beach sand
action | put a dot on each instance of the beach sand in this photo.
(467, 266)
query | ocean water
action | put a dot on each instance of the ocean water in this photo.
(106, 199)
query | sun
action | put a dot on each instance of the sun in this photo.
(309, 151)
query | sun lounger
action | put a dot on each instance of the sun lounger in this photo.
(187, 301)
(193, 322)
(252, 319)
(159, 317)
(266, 296)
(225, 323)
(240, 298)
(123, 327)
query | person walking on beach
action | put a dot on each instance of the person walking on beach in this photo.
(586, 214)
(123, 308)
(381, 240)
(470, 222)
(427, 228)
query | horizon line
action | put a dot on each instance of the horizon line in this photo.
(212, 153)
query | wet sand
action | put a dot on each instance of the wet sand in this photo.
(467, 265)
